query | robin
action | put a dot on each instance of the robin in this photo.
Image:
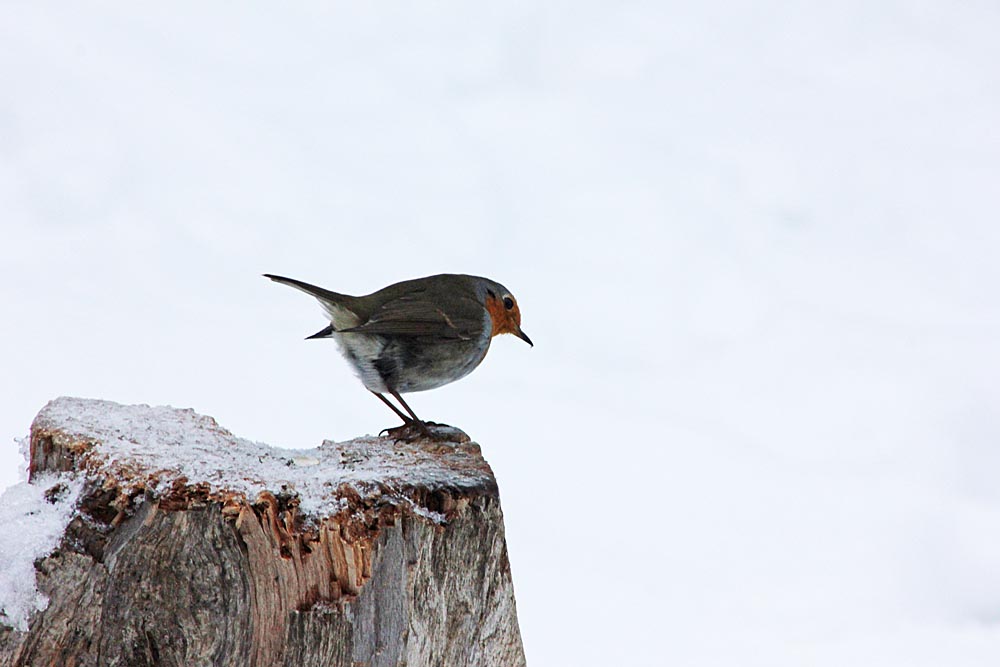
(416, 335)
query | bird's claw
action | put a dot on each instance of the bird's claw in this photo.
(417, 430)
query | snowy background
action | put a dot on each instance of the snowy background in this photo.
(756, 245)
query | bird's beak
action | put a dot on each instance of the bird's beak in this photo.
(523, 336)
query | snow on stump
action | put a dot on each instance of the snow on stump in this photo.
(177, 543)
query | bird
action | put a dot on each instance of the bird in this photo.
(415, 335)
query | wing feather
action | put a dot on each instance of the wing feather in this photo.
(414, 315)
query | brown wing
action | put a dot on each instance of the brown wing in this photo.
(414, 315)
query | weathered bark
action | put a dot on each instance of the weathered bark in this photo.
(163, 568)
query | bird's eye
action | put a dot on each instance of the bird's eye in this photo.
(508, 302)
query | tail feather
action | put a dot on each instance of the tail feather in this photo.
(339, 308)
(326, 332)
(312, 290)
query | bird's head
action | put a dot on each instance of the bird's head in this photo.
(505, 314)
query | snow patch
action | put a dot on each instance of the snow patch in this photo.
(159, 445)
(34, 516)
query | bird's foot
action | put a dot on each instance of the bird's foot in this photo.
(420, 430)
(408, 432)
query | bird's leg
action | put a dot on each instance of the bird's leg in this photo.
(406, 420)
(416, 419)
(417, 423)
(399, 398)
(412, 426)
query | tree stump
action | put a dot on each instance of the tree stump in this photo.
(189, 546)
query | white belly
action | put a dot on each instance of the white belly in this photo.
(361, 352)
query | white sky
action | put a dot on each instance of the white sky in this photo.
(755, 245)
